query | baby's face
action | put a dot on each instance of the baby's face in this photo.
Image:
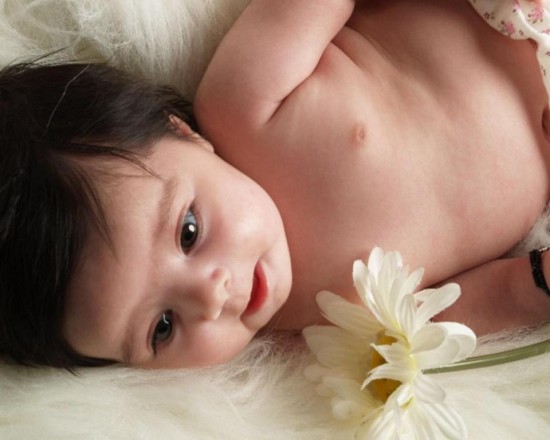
(199, 263)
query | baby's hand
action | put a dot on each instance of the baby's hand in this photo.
(537, 2)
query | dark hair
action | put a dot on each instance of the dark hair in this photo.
(50, 117)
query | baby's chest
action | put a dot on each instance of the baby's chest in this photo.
(346, 183)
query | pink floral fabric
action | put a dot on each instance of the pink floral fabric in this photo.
(521, 19)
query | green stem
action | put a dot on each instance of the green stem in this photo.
(488, 360)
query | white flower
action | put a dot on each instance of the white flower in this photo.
(372, 364)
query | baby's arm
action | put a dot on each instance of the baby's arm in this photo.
(500, 294)
(272, 48)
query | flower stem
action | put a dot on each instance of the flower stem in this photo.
(502, 357)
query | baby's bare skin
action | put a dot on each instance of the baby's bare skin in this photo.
(414, 127)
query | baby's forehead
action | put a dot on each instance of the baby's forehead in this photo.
(114, 258)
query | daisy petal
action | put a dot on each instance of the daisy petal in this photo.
(447, 420)
(351, 317)
(397, 353)
(388, 371)
(463, 336)
(360, 402)
(346, 410)
(440, 344)
(384, 427)
(375, 260)
(427, 390)
(323, 337)
(315, 372)
(413, 281)
(434, 301)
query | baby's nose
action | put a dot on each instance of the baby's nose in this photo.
(214, 293)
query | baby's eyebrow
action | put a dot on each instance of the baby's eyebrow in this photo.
(163, 208)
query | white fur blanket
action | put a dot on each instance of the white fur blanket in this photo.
(263, 394)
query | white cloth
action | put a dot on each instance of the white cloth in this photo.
(520, 20)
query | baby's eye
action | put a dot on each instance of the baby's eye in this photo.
(163, 329)
(189, 230)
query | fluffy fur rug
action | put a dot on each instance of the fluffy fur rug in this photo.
(263, 394)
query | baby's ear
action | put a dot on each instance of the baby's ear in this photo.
(180, 127)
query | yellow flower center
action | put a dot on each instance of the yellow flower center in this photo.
(382, 388)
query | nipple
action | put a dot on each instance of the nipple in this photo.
(358, 135)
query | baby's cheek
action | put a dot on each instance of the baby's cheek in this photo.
(218, 344)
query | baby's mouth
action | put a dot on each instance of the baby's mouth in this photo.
(258, 294)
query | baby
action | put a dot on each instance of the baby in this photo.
(411, 125)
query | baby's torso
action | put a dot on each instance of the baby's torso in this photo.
(419, 131)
